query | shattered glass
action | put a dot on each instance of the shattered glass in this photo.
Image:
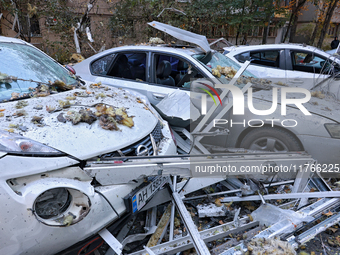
(23, 67)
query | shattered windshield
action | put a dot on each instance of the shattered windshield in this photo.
(23, 67)
(222, 67)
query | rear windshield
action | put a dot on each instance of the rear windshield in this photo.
(30, 66)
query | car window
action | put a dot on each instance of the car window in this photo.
(222, 67)
(243, 57)
(30, 66)
(173, 71)
(101, 65)
(265, 58)
(309, 62)
(129, 65)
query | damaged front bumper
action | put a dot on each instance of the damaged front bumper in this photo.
(46, 206)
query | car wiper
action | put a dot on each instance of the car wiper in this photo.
(25, 96)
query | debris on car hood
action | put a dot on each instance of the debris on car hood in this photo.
(114, 117)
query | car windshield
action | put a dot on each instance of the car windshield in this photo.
(222, 67)
(27, 66)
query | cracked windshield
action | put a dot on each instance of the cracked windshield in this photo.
(23, 68)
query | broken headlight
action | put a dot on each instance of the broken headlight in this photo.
(61, 206)
(333, 129)
(17, 144)
(52, 202)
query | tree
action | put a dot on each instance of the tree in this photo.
(211, 18)
(295, 6)
(319, 21)
(327, 21)
(59, 22)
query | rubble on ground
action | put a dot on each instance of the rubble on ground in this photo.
(247, 227)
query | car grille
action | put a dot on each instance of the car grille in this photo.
(131, 149)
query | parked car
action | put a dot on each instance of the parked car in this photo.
(51, 124)
(158, 70)
(293, 64)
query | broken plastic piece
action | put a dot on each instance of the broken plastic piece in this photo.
(211, 210)
(268, 214)
(174, 108)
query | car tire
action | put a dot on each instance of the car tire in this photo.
(270, 139)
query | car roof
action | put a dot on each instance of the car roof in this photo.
(234, 49)
(184, 50)
(11, 39)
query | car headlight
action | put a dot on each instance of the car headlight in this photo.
(61, 206)
(52, 202)
(333, 129)
(13, 143)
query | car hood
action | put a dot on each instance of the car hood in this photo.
(183, 35)
(82, 140)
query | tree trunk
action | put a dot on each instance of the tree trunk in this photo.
(293, 28)
(317, 25)
(268, 17)
(316, 28)
(293, 20)
(328, 18)
(238, 33)
(265, 34)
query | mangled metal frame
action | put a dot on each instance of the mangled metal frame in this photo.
(180, 166)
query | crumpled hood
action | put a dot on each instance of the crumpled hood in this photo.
(82, 140)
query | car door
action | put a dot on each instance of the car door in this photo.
(269, 64)
(305, 68)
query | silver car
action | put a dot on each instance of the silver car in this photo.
(158, 70)
(51, 125)
(294, 64)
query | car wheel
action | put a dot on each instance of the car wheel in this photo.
(270, 139)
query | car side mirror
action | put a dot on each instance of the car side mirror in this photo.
(70, 68)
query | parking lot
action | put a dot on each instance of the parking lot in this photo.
(170, 148)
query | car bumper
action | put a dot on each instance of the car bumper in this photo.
(22, 231)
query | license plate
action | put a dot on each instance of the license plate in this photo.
(144, 194)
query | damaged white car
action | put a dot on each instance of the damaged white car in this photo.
(50, 126)
(159, 71)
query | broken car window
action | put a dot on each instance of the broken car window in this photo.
(101, 65)
(130, 65)
(173, 71)
(266, 58)
(31, 66)
(223, 67)
(308, 62)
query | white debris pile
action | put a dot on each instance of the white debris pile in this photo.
(211, 210)
(270, 246)
(156, 40)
